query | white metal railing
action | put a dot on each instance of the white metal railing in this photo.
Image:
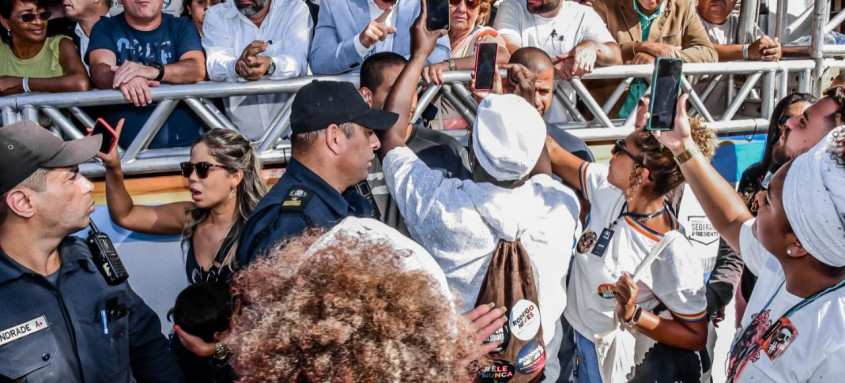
(773, 80)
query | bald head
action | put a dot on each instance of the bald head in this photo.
(532, 58)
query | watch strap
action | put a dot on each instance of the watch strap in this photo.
(688, 154)
(160, 68)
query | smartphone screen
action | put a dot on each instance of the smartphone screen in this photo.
(438, 15)
(109, 136)
(485, 64)
(665, 90)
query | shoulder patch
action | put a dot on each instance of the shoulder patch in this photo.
(297, 198)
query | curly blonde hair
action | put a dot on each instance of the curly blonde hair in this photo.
(664, 172)
(344, 313)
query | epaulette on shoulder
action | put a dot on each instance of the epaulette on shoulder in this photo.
(298, 196)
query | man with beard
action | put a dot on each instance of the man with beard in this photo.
(238, 51)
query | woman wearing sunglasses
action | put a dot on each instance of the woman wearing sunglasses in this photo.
(629, 216)
(29, 60)
(467, 19)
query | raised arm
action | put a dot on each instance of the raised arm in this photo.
(564, 164)
(722, 205)
(401, 96)
(169, 218)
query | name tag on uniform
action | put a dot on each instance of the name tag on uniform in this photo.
(603, 242)
(19, 331)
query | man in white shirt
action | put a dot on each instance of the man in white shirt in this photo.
(721, 26)
(513, 197)
(86, 13)
(254, 40)
(572, 34)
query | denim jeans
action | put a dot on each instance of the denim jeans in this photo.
(588, 366)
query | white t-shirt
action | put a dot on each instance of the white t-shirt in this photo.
(812, 349)
(725, 33)
(574, 24)
(674, 278)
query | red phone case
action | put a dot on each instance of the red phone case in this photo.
(109, 134)
(477, 55)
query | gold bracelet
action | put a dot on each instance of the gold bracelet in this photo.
(452, 65)
(688, 154)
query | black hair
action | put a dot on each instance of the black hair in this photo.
(202, 309)
(371, 76)
(774, 129)
(6, 11)
(534, 59)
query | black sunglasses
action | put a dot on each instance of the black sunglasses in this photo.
(201, 167)
(783, 119)
(30, 17)
(619, 146)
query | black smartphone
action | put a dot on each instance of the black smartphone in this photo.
(438, 15)
(665, 90)
(485, 65)
(109, 135)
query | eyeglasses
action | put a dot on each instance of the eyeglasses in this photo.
(783, 119)
(471, 4)
(30, 17)
(201, 167)
(619, 146)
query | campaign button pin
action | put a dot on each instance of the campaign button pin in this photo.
(607, 290)
(531, 358)
(499, 371)
(524, 319)
(586, 242)
(503, 335)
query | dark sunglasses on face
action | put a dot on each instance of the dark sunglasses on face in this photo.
(201, 167)
(619, 146)
(471, 4)
(783, 119)
(30, 17)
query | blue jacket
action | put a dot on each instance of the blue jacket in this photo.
(300, 200)
(57, 330)
(341, 21)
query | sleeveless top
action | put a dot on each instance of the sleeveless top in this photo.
(45, 64)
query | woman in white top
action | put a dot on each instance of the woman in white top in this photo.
(794, 324)
(629, 215)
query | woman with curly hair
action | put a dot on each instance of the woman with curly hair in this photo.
(630, 213)
(345, 310)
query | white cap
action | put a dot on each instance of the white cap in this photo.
(508, 136)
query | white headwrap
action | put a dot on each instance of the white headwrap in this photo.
(508, 136)
(814, 199)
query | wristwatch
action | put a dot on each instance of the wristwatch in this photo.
(220, 352)
(160, 71)
(271, 69)
(688, 154)
(638, 311)
(452, 64)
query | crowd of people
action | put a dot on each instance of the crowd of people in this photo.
(516, 258)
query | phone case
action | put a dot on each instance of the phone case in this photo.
(478, 48)
(653, 87)
(110, 130)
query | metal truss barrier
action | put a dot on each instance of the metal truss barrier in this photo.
(774, 81)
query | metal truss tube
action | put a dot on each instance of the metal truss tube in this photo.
(150, 129)
(218, 114)
(741, 95)
(695, 100)
(426, 99)
(60, 121)
(590, 102)
(767, 99)
(82, 117)
(457, 104)
(465, 96)
(280, 129)
(204, 114)
(617, 93)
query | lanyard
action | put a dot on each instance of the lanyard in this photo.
(793, 310)
(637, 216)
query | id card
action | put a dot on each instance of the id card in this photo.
(603, 242)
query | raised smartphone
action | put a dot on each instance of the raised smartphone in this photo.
(485, 65)
(665, 90)
(438, 15)
(109, 135)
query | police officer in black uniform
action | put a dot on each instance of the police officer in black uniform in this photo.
(332, 147)
(60, 321)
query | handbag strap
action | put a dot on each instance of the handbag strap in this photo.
(655, 251)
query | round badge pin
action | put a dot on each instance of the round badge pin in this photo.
(499, 371)
(524, 319)
(503, 334)
(586, 242)
(531, 358)
(607, 290)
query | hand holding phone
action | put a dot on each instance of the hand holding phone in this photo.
(485, 65)
(437, 15)
(665, 90)
(102, 128)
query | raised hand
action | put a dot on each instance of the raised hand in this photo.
(376, 30)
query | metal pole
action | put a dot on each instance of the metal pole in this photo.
(425, 99)
(780, 20)
(629, 122)
(465, 96)
(741, 95)
(204, 114)
(9, 116)
(834, 22)
(767, 102)
(218, 114)
(795, 24)
(696, 102)
(457, 104)
(61, 122)
(82, 117)
(157, 118)
(817, 43)
(713, 82)
(804, 80)
(747, 21)
(591, 103)
(617, 93)
(28, 112)
(280, 128)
